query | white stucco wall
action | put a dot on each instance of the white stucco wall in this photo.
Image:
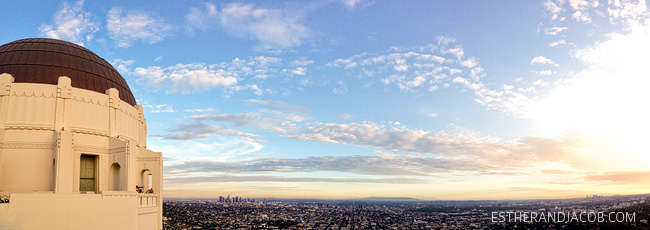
(44, 131)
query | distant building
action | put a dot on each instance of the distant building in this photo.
(72, 143)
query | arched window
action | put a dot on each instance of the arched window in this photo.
(150, 181)
(147, 180)
(114, 177)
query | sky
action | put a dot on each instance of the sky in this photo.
(339, 99)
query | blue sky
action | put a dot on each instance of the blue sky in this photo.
(356, 98)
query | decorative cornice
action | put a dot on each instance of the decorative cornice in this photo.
(141, 159)
(33, 94)
(90, 101)
(29, 127)
(90, 132)
(118, 150)
(20, 145)
(90, 149)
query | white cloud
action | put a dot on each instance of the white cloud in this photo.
(126, 27)
(618, 11)
(276, 116)
(302, 62)
(299, 71)
(280, 106)
(547, 72)
(122, 65)
(202, 131)
(581, 17)
(557, 43)
(71, 23)
(235, 119)
(578, 4)
(485, 151)
(456, 51)
(555, 30)
(553, 8)
(162, 108)
(381, 164)
(624, 10)
(340, 88)
(431, 67)
(201, 18)
(541, 82)
(233, 76)
(351, 4)
(469, 63)
(184, 78)
(274, 29)
(345, 116)
(508, 99)
(199, 110)
(411, 69)
(542, 60)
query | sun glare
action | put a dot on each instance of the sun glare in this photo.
(606, 100)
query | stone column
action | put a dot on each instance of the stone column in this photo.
(5, 90)
(114, 107)
(64, 179)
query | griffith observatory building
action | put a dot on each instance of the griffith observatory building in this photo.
(73, 143)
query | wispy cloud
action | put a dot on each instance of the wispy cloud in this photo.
(202, 18)
(122, 65)
(345, 116)
(233, 76)
(202, 131)
(557, 43)
(547, 72)
(71, 23)
(302, 62)
(555, 30)
(163, 108)
(276, 116)
(368, 165)
(352, 4)
(235, 119)
(553, 8)
(227, 148)
(273, 28)
(262, 178)
(128, 26)
(584, 11)
(621, 177)
(185, 78)
(412, 69)
(280, 106)
(200, 110)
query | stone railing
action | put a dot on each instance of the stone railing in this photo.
(147, 200)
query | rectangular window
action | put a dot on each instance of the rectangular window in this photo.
(87, 173)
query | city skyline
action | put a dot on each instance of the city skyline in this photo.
(345, 99)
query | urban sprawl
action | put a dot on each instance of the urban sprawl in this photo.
(591, 212)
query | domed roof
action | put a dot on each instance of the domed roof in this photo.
(43, 60)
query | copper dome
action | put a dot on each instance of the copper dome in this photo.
(42, 60)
